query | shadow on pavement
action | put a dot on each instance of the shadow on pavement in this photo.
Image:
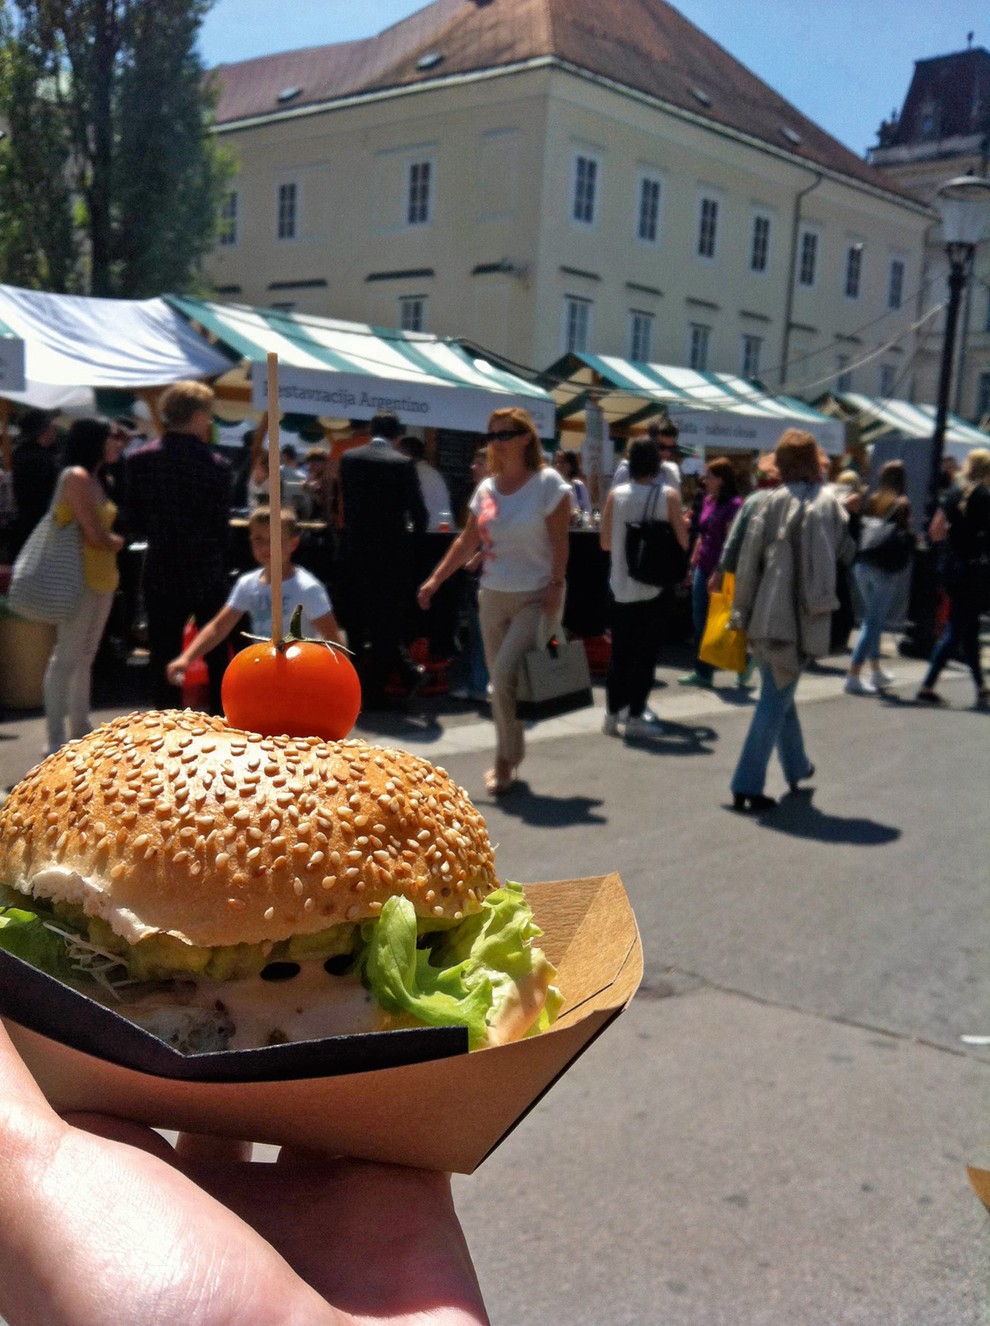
(797, 816)
(676, 739)
(549, 812)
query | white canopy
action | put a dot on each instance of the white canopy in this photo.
(350, 370)
(74, 343)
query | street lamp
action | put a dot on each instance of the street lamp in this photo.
(964, 206)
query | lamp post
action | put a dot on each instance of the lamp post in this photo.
(964, 206)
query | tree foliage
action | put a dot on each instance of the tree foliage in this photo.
(117, 180)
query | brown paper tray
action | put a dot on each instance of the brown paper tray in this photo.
(415, 1098)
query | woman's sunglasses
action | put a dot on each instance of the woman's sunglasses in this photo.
(505, 433)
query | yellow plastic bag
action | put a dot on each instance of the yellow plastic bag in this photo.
(721, 646)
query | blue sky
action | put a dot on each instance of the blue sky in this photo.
(845, 63)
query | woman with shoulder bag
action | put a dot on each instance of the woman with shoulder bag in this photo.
(718, 510)
(963, 522)
(635, 606)
(520, 517)
(81, 497)
(885, 549)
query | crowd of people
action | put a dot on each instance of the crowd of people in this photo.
(808, 555)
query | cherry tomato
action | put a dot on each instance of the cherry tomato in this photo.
(301, 689)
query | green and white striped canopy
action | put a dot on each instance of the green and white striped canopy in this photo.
(710, 409)
(350, 370)
(877, 417)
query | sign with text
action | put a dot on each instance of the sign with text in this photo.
(426, 405)
(12, 364)
(711, 429)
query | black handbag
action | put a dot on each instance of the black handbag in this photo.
(653, 555)
(884, 544)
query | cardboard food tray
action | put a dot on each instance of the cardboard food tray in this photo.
(410, 1097)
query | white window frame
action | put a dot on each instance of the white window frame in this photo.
(419, 198)
(899, 264)
(888, 380)
(412, 313)
(579, 189)
(761, 246)
(750, 359)
(809, 243)
(853, 274)
(699, 346)
(227, 226)
(576, 314)
(283, 209)
(641, 325)
(648, 179)
(707, 227)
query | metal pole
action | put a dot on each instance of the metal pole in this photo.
(957, 282)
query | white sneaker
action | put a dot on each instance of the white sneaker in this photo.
(610, 725)
(645, 726)
(857, 686)
(881, 678)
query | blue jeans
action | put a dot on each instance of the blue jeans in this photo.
(775, 724)
(699, 615)
(877, 589)
(962, 631)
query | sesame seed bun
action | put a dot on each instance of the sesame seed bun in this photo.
(173, 822)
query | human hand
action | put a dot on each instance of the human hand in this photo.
(102, 1221)
(425, 596)
(175, 671)
(553, 600)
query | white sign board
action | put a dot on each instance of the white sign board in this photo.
(751, 432)
(11, 364)
(425, 405)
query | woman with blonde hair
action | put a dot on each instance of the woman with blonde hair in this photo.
(877, 572)
(519, 516)
(963, 522)
(82, 498)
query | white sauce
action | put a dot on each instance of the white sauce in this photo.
(89, 894)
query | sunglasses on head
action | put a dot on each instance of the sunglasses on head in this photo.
(503, 434)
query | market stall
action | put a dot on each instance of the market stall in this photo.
(874, 417)
(348, 370)
(713, 411)
(72, 344)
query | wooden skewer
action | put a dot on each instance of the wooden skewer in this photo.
(275, 497)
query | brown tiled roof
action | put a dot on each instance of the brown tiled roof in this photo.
(645, 45)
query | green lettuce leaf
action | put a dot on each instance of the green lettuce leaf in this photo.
(465, 976)
(24, 933)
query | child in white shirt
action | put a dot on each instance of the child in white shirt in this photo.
(252, 595)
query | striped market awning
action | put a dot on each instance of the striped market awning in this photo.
(710, 409)
(348, 370)
(878, 418)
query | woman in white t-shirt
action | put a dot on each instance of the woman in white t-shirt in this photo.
(635, 606)
(519, 517)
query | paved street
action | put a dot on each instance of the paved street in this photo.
(776, 1132)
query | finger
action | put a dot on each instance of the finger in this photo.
(198, 1149)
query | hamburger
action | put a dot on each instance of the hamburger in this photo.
(228, 890)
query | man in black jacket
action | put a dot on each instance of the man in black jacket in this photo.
(177, 496)
(34, 472)
(382, 501)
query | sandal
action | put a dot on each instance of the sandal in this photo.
(498, 784)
